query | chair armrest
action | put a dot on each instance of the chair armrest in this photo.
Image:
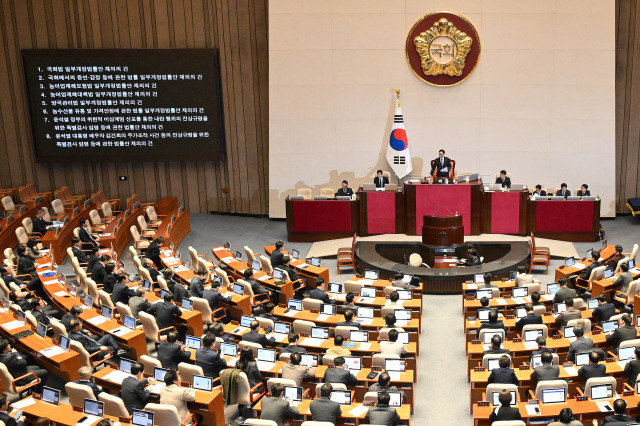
(109, 355)
(579, 392)
(213, 314)
(35, 234)
(28, 385)
(531, 394)
(484, 396)
(255, 297)
(215, 383)
(252, 393)
(305, 393)
(138, 243)
(167, 328)
(191, 417)
(611, 354)
(626, 386)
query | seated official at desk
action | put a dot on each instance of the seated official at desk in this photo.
(323, 409)
(133, 392)
(547, 371)
(380, 180)
(503, 374)
(530, 318)
(473, 260)
(345, 191)
(88, 240)
(505, 411)
(441, 165)
(39, 224)
(382, 414)
(563, 191)
(293, 347)
(76, 248)
(503, 179)
(339, 374)
(539, 192)
(493, 322)
(275, 408)
(619, 408)
(584, 191)
(564, 292)
(617, 257)
(582, 344)
(495, 348)
(254, 336)
(171, 353)
(522, 277)
(318, 293)
(625, 331)
(277, 255)
(4, 413)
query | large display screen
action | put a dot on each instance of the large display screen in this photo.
(125, 105)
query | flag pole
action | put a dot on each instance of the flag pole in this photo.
(398, 96)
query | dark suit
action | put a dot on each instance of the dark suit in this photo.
(505, 413)
(632, 369)
(586, 193)
(88, 241)
(91, 262)
(17, 365)
(623, 280)
(255, 337)
(277, 409)
(214, 298)
(338, 375)
(27, 266)
(587, 272)
(8, 420)
(324, 410)
(153, 254)
(626, 332)
(92, 345)
(473, 262)
(344, 192)
(316, 293)
(109, 282)
(380, 182)
(122, 293)
(210, 361)
(499, 325)
(546, 372)
(592, 370)
(506, 183)
(98, 273)
(349, 324)
(40, 225)
(276, 258)
(616, 418)
(382, 415)
(581, 344)
(197, 286)
(95, 388)
(40, 316)
(165, 313)
(66, 320)
(171, 354)
(153, 272)
(496, 351)
(133, 393)
(560, 193)
(80, 255)
(180, 292)
(290, 348)
(503, 375)
(439, 165)
(542, 193)
(256, 287)
(564, 293)
(530, 318)
(604, 311)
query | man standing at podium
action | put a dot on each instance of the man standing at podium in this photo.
(442, 164)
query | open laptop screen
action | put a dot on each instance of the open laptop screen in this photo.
(341, 397)
(93, 407)
(203, 383)
(50, 395)
(142, 418)
(582, 359)
(601, 391)
(520, 292)
(550, 396)
(371, 274)
(266, 355)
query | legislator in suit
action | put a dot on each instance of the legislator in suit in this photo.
(256, 337)
(88, 240)
(441, 165)
(214, 298)
(178, 397)
(503, 375)
(97, 390)
(170, 354)
(505, 413)
(138, 304)
(344, 191)
(121, 293)
(324, 410)
(317, 293)
(39, 224)
(153, 253)
(563, 191)
(277, 255)
(339, 375)
(380, 181)
(133, 393)
(546, 372)
(382, 414)
(277, 409)
(503, 180)
(98, 273)
(210, 361)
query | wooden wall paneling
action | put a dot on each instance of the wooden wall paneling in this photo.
(161, 19)
(149, 178)
(121, 11)
(190, 178)
(179, 24)
(261, 79)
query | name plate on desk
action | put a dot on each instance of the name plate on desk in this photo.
(582, 398)
(517, 340)
(483, 403)
(524, 367)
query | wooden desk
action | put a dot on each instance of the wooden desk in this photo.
(311, 273)
(64, 365)
(381, 284)
(506, 212)
(565, 220)
(240, 305)
(62, 239)
(64, 301)
(318, 220)
(564, 272)
(208, 404)
(165, 206)
(404, 412)
(174, 233)
(62, 414)
(10, 223)
(381, 212)
(236, 268)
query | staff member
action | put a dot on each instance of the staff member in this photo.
(442, 164)
(379, 180)
(563, 191)
(345, 191)
(503, 179)
(584, 191)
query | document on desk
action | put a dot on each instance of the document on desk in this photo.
(322, 317)
(239, 330)
(228, 259)
(292, 313)
(578, 265)
(547, 297)
(571, 371)
(519, 301)
(219, 249)
(364, 346)
(623, 364)
(51, 282)
(12, 325)
(265, 365)
(367, 300)
(97, 320)
(43, 265)
(532, 409)
(156, 387)
(365, 281)
(359, 410)
(24, 403)
(604, 406)
(530, 346)
(264, 278)
(302, 265)
(472, 286)
(120, 331)
(117, 376)
(279, 337)
(61, 293)
(501, 301)
(312, 341)
(366, 321)
(232, 362)
(52, 351)
(106, 234)
(180, 268)
(170, 259)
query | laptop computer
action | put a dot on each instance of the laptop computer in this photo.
(129, 322)
(395, 399)
(360, 336)
(295, 305)
(159, 373)
(93, 407)
(266, 355)
(281, 327)
(245, 320)
(496, 401)
(203, 383)
(365, 313)
(228, 349)
(51, 395)
(553, 288)
(402, 314)
(609, 326)
(520, 292)
(295, 254)
(328, 309)
(582, 359)
(601, 391)
(320, 332)
(293, 392)
(193, 342)
(368, 292)
(126, 364)
(142, 418)
(395, 364)
(353, 363)
(628, 353)
(310, 360)
(553, 396)
(315, 261)
(370, 274)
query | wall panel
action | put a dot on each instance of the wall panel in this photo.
(237, 27)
